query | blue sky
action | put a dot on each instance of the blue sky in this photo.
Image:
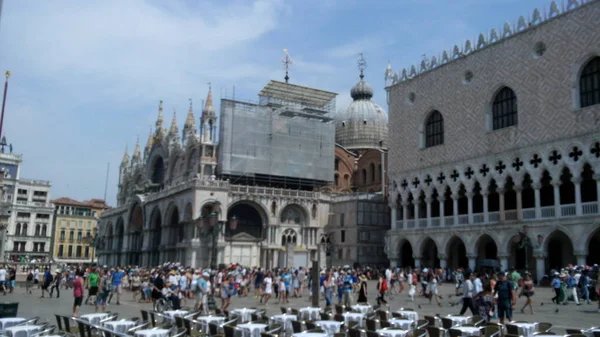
(87, 75)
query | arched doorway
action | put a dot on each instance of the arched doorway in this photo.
(249, 219)
(559, 250)
(136, 226)
(173, 237)
(593, 256)
(406, 255)
(186, 229)
(429, 254)
(457, 253)
(487, 253)
(293, 215)
(155, 237)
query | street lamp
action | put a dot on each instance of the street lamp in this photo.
(90, 240)
(211, 227)
(523, 242)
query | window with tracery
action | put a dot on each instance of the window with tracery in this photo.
(589, 83)
(504, 109)
(434, 129)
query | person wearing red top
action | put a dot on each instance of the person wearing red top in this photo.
(77, 292)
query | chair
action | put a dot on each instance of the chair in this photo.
(29, 321)
(59, 322)
(180, 332)
(372, 334)
(596, 333)
(213, 329)
(231, 331)
(46, 331)
(339, 309)
(382, 315)
(512, 329)
(371, 325)
(476, 320)
(398, 315)
(179, 321)
(454, 332)
(576, 335)
(141, 326)
(67, 325)
(431, 320)
(435, 331)
(354, 332)
(384, 324)
(294, 311)
(422, 323)
(338, 317)
(145, 315)
(419, 333)
(85, 329)
(543, 327)
(447, 323)
(297, 326)
(491, 331)
(310, 325)
(573, 331)
(326, 316)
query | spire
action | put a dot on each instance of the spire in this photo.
(174, 129)
(209, 109)
(149, 144)
(136, 158)
(362, 65)
(125, 160)
(189, 127)
(160, 130)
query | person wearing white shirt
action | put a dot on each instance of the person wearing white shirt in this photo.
(3, 279)
(477, 286)
(468, 289)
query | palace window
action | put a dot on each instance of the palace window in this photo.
(589, 83)
(434, 129)
(504, 109)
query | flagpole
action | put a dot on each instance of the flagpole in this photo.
(7, 75)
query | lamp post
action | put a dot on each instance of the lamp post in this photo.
(90, 240)
(523, 242)
(210, 226)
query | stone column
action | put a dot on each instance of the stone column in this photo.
(581, 258)
(500, 191)
(472, 261)
(486, 213)
(417, 262)
(416, 209)
(470, 206)
(393, 216)
(538, 202)
(540, 266)
(556, 186)
(405, 214)
(577, 183)
(443, 261)
(393, 262)
(518, 189)
(428, 202)
(597, 177)
(441, 202)
(503, 262)
(455, 207)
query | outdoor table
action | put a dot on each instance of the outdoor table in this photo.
(392, 332)
(409, 314)
(252, 329)
(310, 334)
(206, 320)
(244, 313)
(330, 327)
(286, 320)
(309, 314)
(458, 320)
(362, 308)
(23, 330)
(527, 329)
(354, 317)
(590, 332)
(405, 324)
(10, 321)
(94, 318)
(119, 326)
(173, 313)
(152, 333)
(468, 330)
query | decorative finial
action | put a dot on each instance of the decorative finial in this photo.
(209, 86)
(7, 74)
(190, 103)
(362, 64)
(287, 63)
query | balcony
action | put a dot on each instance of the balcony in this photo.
(527, 214)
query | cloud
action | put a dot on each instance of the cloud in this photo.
(369, 43)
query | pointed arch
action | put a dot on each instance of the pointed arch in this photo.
(589, 83)
(434, 129)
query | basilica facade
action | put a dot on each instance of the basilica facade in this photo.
(495, 148)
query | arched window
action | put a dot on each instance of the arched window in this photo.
(364, 176)
(372, 168)
(37, 230)
(18, 229)
(336, 179)
(434, 129)
(589, 83)
(44, 230)
(24, 230)
(504, 109)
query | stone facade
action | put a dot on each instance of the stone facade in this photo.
(525, 195)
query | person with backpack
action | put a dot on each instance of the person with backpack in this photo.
(104, 288)
(46, 281)
(382, 287)
(29, 282)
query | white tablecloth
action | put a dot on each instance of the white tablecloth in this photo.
(526, 329)
(405, 324)
(331, 327)
(251, 329)
(286, 320)
(173, 313)
(94, 318)
(468, 330)
(210, 319)
(363, 309)
(589, 332)
(354, 317)
(409, 314)
(244, 314)
(10, 321)
(458, 320)
(310, 334)
(392, 332)
(119, 326)
(152, 333)
(309, 314)
(23, 330)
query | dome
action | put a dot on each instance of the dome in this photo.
(364, 124)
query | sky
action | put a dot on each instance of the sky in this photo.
(87, 76)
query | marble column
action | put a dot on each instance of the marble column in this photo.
(443, 263)
(500, 191)
(577, 183)
(581, 259)
(556, 186)
(405, 214)
(470, 206)
(416, 212)
(540, 267)
(538, 202)
(428, 201)
(486, 212)
(455, 207)
(503, 262)
(472, 261)
(518, 191)
(393, 216)
(441, 202)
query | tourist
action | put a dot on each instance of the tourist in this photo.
(3, 285)
(362, 289)
(117, 287)
(268, 287)
(556, 285)
(506, 298)
(77, 293)
(484, 301)
(104, 288)
(433, 280)
(225, 295)
(47, 281)
(56, 283)
(92, 284)
(528, 292)
(468, 291)
(382, 287)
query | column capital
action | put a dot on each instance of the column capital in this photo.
(471, 256)
(518, 188)
(596, 176)
(580, 253)
(556, 184)
(455, 196)
(500, 190)
(470, 194)
(406, 203)
(576, 180)
(442, 256)
(503, 256)
(440, 198)
(536, 186)
(428, 199)
(539, 255)
(416, 201)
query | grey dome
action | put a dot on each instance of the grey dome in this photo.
(364, 124)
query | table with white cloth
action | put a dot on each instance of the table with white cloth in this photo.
(310, 334)
(244, 313)
(206, 320)
(590, 332)
(363, 309)
(468, 330)
(94, 318)
(353, 317)
(526, 329)
(173, 313)
(330, 327)
(10, 321)
(309, 314)
(152, 333)
(405, 324)
(252, 329)
(409, 314)
(23, 330)
(119, 326)
(392, 332)
(286, 320)
(458, 320)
